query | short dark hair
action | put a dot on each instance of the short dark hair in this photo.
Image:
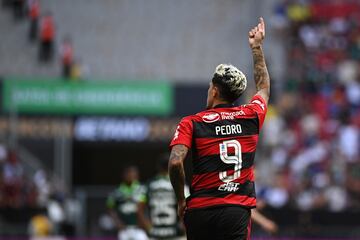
(128, 168)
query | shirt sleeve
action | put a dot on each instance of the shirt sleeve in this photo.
(258, 104)
(183, 133)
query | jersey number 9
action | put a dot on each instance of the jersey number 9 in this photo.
(235, 159)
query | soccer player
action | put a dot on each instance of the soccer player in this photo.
(160, 202)
(223, 141)
(122, 205)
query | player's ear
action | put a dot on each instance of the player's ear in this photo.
(215, 92)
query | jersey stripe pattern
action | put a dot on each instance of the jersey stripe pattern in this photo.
(223, 143)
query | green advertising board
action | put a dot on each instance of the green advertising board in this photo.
(105, 97)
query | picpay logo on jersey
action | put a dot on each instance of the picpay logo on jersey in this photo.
(211, 117)
(229, 187)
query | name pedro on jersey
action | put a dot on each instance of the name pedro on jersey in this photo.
(228, 129)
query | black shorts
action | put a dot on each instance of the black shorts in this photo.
(218, 223)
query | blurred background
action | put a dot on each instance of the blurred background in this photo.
(91, 86)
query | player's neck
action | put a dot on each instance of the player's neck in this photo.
(218, 102)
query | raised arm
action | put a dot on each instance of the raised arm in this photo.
(261, 75)
(177, 174)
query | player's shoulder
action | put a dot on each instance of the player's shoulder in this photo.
(160, 182)
(190, 118)
(258, 101)
(138, 191)
(139, 187)
(226, 113)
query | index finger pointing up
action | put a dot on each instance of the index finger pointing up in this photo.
(262, 24)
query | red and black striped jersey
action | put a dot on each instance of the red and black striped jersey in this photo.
(223, 141)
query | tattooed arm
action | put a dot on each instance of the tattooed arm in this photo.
(261, 75)
(177, 174)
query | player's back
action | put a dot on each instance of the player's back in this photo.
(162, 208)
(223, 144)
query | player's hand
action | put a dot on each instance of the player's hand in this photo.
(181, 208)
(257, 34)
(270, 227)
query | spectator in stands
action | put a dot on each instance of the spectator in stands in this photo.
(67, 57)
(75, 71)
(42, 184)
(349, 140)
(353, 184)
(79, 70)
(13, 180)
(34, 14)
(47, 38)
(29, 193)
(318, 145)
(336, 196)
(56, 212)
(277, 195)
(40, 226)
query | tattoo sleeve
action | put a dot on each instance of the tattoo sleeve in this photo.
(176, 170)
(261, 74)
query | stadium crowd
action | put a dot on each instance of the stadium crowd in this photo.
(23, 188)
(16, 190)
(311, 139)
(42, 31)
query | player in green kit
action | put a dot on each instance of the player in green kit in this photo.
(122, 205)
(159, 203)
